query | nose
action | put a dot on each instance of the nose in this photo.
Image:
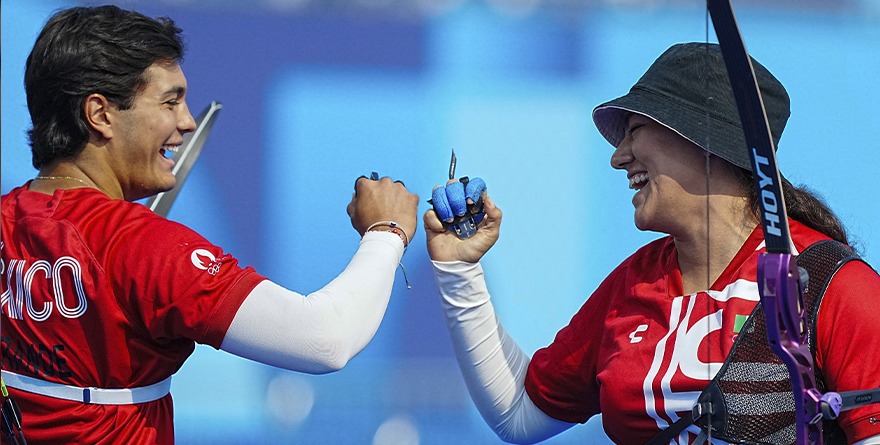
(186, 122)
(622, 154)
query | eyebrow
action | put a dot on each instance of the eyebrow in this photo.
(629, 122)
(177, 91)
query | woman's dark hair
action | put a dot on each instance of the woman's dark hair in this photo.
(801, 204)
(87, 50)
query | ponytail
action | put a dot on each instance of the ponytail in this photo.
(802, 205)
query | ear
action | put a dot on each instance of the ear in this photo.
(97, 112)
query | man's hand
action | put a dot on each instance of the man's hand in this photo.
(383, 200)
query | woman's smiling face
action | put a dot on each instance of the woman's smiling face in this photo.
(668, 173)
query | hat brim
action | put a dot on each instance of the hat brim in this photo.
(701, 126)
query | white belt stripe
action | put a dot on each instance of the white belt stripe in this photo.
(99, 396)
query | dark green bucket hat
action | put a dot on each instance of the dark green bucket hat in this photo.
(687, 90)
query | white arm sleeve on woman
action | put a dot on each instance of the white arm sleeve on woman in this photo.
(873, 440)
(493, 366)
(320, 332)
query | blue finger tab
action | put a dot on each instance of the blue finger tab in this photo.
(475, 189)
(456, 198)
(441, 204)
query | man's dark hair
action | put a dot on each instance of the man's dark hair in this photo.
(86, 50)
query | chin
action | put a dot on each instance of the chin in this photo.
(148, 191)
(644, 225)
(639, 220)
(167, 183)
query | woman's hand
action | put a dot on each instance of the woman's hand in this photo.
(445, 245)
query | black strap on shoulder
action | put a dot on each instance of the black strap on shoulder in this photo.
(823, 260)
(674, 430)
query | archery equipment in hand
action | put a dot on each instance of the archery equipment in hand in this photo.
(450, 202)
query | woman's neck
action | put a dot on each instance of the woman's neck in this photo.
(706, 251)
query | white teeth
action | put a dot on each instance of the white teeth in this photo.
(169, 150)
(637, 180)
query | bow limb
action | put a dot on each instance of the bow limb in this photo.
(779, 280)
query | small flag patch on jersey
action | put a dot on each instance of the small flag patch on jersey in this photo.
(738, 323)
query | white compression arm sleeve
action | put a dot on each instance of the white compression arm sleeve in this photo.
(320, 332)
(873, 440)
(492, 364)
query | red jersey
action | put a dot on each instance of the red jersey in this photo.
(640, 352)
(99, 292)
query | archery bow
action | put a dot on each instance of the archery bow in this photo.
(779, 280)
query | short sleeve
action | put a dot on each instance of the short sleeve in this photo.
(848, 348)
(562, 377)
(174, 282)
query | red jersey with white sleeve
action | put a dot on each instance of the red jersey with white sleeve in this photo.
(640, 352)
(98, 292)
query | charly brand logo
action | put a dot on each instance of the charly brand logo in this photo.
(205, 260)
(634, 336)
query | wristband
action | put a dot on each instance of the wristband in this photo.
(397, 230)
(394, 228)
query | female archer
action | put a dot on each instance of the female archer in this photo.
(650, 339)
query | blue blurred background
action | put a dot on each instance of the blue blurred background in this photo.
(317, 93)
